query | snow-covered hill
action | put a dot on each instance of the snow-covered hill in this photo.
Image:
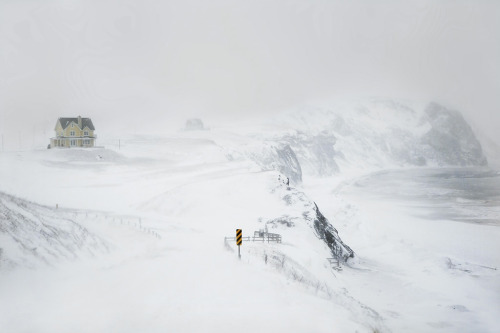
(154, 214)
(377, 134)
(191, 205)
(31, 235)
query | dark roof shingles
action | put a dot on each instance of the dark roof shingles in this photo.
(85, 122)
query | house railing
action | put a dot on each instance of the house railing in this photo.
(75, 137)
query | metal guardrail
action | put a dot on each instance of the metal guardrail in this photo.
(335, 263)
(263, 236)
(258, 237)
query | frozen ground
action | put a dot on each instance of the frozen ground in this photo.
(427, 240)
(156, 212)
(163, 207)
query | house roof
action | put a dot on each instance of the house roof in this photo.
(85, 122)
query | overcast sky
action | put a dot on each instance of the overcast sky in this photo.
(150, 62)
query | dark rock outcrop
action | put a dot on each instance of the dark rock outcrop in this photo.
(280, 158)
(315, 152)
(330, 236)
(451, 139)
(288, 164)
(313, 218)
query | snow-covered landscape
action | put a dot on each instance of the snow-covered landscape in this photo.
(352, 147)
(389, 223)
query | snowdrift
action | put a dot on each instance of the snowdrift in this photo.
(31, 235)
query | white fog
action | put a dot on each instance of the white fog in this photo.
(356, 145)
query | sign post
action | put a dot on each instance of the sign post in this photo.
(239, 240)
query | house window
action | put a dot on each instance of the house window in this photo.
(86, 142)
(86, 133)
(73, 142)
(72, 133)
(72, 125)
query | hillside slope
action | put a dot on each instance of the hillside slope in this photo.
(376, 134)
(31, 235)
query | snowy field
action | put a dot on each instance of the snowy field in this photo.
(429, 253)
(151, 216)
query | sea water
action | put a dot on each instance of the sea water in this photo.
(459, 194)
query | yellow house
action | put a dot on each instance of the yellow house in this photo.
(73, 132)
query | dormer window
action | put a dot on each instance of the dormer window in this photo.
(86, 133)
(72, 133)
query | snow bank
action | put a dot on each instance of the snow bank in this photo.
(31, 235)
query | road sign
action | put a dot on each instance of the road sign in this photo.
(239, 240)
(239, 236)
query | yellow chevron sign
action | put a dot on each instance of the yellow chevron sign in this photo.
(239, 236)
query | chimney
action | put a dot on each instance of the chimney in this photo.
(80, 122)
